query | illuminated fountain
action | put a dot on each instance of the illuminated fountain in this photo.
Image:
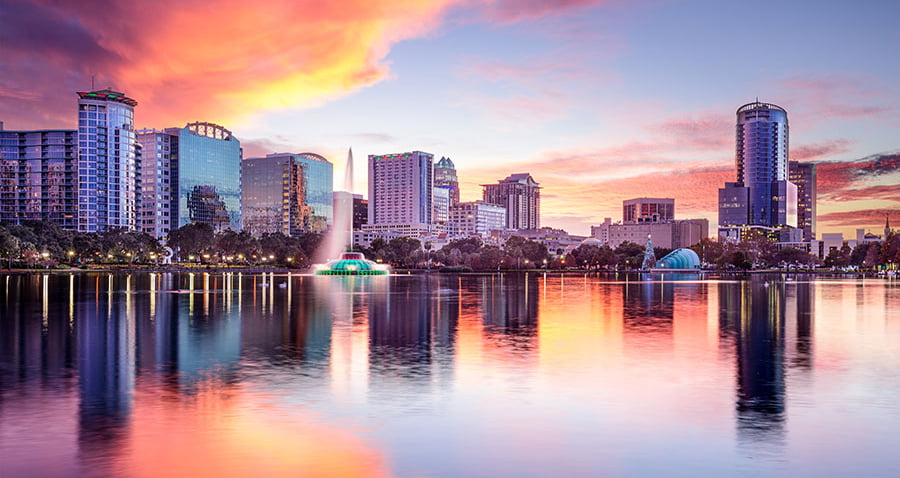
(341, 235)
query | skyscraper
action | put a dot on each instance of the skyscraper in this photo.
(274, 197)
(209, 176)
(158, 208)
(285, 192)
(400, 189)
(445, 177)
(762, 197)
(318, 183)
(107, 165)
(803, 175)
(520, 194)
(38, 171)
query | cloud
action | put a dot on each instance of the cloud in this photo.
(511, 11)
(872, 219)
(819, 150)
(215, 60)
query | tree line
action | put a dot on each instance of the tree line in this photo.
(44, 244)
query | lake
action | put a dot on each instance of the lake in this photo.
(448, 375)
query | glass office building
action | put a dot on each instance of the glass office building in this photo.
(209, 176)
(107, 162)
(38, 176)
(273, 198)
(318, 180)
(762, 196)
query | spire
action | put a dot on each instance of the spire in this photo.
(887, 225)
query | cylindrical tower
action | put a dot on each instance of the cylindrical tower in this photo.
(762, 163)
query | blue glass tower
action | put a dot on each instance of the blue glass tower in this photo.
(762, 196)
(209, 176)
(107, 163)
(319, 186)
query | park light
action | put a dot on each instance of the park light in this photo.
(128, 254)
(271, 256)
(109, 256)
(206, 256)
(71, 253)
(45, 254)
(191, 258)
(290, 259)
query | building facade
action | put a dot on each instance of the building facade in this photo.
(762, 196)
(520, 194)
(803, 175)
(318, 183)
(476, 217)
(445, 177)
(648, 210)
(360, 211)
(158, 204)
(209, 176)
(107, 162)
(274, 196)
(441, 203)
(38, 176)
(401, 190)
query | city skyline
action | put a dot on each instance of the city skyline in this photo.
(602, 101)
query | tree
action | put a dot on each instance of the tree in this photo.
(9, 246)
(708, 250)
(790, 255)
(192, 239)
(631, 255)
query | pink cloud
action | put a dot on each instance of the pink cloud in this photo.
(511, 11)
(820, 150)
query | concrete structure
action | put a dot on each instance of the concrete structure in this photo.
(520, 194)
(274, 197)
(445, 177)
(158, 204)
(38, 176)
(107, 163)
(209, 176)
(641, 210)
(803, 175)
(761, 196)
(400, 191)
(476, 218)
(655, 217)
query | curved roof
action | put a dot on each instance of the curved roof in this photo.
(592, 241)
(757, 105)
(314, 157)
(679, 259)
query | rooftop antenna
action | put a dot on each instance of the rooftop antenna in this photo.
(92, 82)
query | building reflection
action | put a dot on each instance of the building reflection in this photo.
(756, 318)
(648, 307)
(509, 311)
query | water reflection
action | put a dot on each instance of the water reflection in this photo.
(379, 375)
(755, 316)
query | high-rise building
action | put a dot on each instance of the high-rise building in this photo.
(209, 176)
(441, 204)
(520, 194)
(400, 190)
(477, 217)
(445, 177)
(274, 196)
(107, 163)
(643, 210)
(360, 211)
(38, 176)
(318, 182)
(803, 175)
(762, 197)
(158, 207)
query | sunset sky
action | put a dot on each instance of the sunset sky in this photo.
(599, 100)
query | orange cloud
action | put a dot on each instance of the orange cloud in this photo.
(222, 59)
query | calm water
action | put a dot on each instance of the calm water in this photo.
(456, 376)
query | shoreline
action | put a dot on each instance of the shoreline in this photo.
(558, 272)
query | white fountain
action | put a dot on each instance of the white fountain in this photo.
(340, 237)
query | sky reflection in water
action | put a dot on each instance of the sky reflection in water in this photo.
(512, 375)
